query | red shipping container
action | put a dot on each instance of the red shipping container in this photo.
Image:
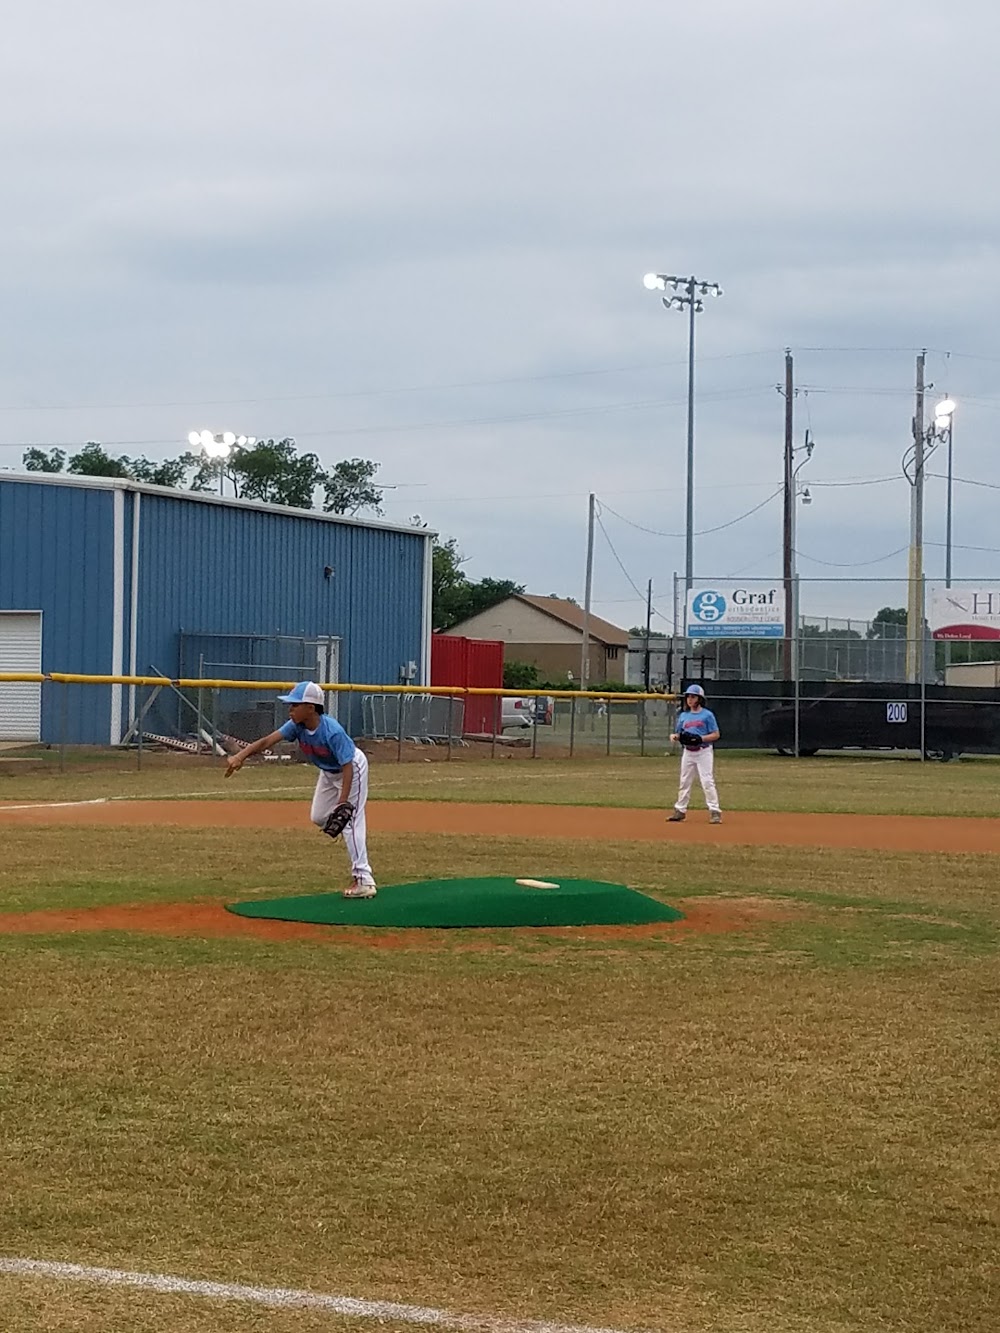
(470, 664)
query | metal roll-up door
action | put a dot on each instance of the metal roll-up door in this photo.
(20, 650)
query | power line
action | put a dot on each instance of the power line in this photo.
(382, 392)
(861, 390)
(967, 481)
(703, 532)
(628, 576)
(888, 350)
(955, 546)
(527, 497)
(851, 564)
(760, 560)
(857, 481)
(447, 424)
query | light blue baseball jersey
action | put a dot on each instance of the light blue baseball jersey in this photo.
(703, 722)
(328, 747)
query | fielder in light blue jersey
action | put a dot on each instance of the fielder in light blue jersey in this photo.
(342, 779)
(698, 757)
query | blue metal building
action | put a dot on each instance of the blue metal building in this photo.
(101, 576)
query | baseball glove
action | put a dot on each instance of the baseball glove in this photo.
(339, 819)
(691, 740)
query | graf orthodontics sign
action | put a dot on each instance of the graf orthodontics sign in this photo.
(735, 611)
(965, 613)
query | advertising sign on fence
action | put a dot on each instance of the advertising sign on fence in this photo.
(965, 613)
(735, 611)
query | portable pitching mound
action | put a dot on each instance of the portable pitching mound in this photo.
(454, 904)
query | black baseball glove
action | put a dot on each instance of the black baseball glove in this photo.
(339, 819)
(691, 740)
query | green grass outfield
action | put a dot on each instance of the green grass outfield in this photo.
(786, 1128)
(841, 784)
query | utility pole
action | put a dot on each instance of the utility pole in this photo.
(588, 588)
(915, 599)
(649, 619)
(788, 525)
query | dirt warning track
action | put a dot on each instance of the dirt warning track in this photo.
(889, 833)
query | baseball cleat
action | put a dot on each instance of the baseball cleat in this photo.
(359, 890)
(676, 817)
(715, 817)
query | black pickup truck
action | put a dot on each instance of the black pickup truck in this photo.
(870, 716)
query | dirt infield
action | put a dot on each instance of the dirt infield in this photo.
(890, 833)
(210, 920)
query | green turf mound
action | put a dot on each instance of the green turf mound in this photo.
(456, 903)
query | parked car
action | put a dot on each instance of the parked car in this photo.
(517, 713)
(545, 707)
(869, 716)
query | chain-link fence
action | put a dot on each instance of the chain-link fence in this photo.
(210, 712)
(902, 635)
(799, 718)
(829, 648)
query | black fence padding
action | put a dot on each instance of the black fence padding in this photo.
(856, 715)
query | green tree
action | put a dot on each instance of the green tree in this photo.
(520, 676)
(271, 470)
(448, 585)
(37, 460)
(490, 592)
(455, 598)
(171, 472)
(93, 460)
(885, 622)
(639, 632)
(275, 472)
(349, 487)
(815, 632)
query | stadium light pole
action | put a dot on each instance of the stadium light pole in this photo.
(686, 294)
(218, 446)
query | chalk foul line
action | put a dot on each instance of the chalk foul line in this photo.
(286, 1298)
(56, 805)
(170, 796)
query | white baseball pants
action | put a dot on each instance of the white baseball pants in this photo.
(327, 795)
(700, 762)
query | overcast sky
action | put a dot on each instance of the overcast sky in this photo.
(415, 231)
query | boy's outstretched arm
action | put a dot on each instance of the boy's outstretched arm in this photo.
(236, 761)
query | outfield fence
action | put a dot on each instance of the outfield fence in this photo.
(197, 715)
(797, 718)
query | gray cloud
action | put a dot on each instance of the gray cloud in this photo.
(264, 205)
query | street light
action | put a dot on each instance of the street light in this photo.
(686, 293)
(218, 446)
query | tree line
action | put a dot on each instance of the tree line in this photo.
(271, 471)
(274, 472)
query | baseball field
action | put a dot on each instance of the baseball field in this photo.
(777, 1115)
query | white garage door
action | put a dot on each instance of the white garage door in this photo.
(20, 650)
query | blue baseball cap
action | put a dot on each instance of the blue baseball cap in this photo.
(695, 689)
(303, 693)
